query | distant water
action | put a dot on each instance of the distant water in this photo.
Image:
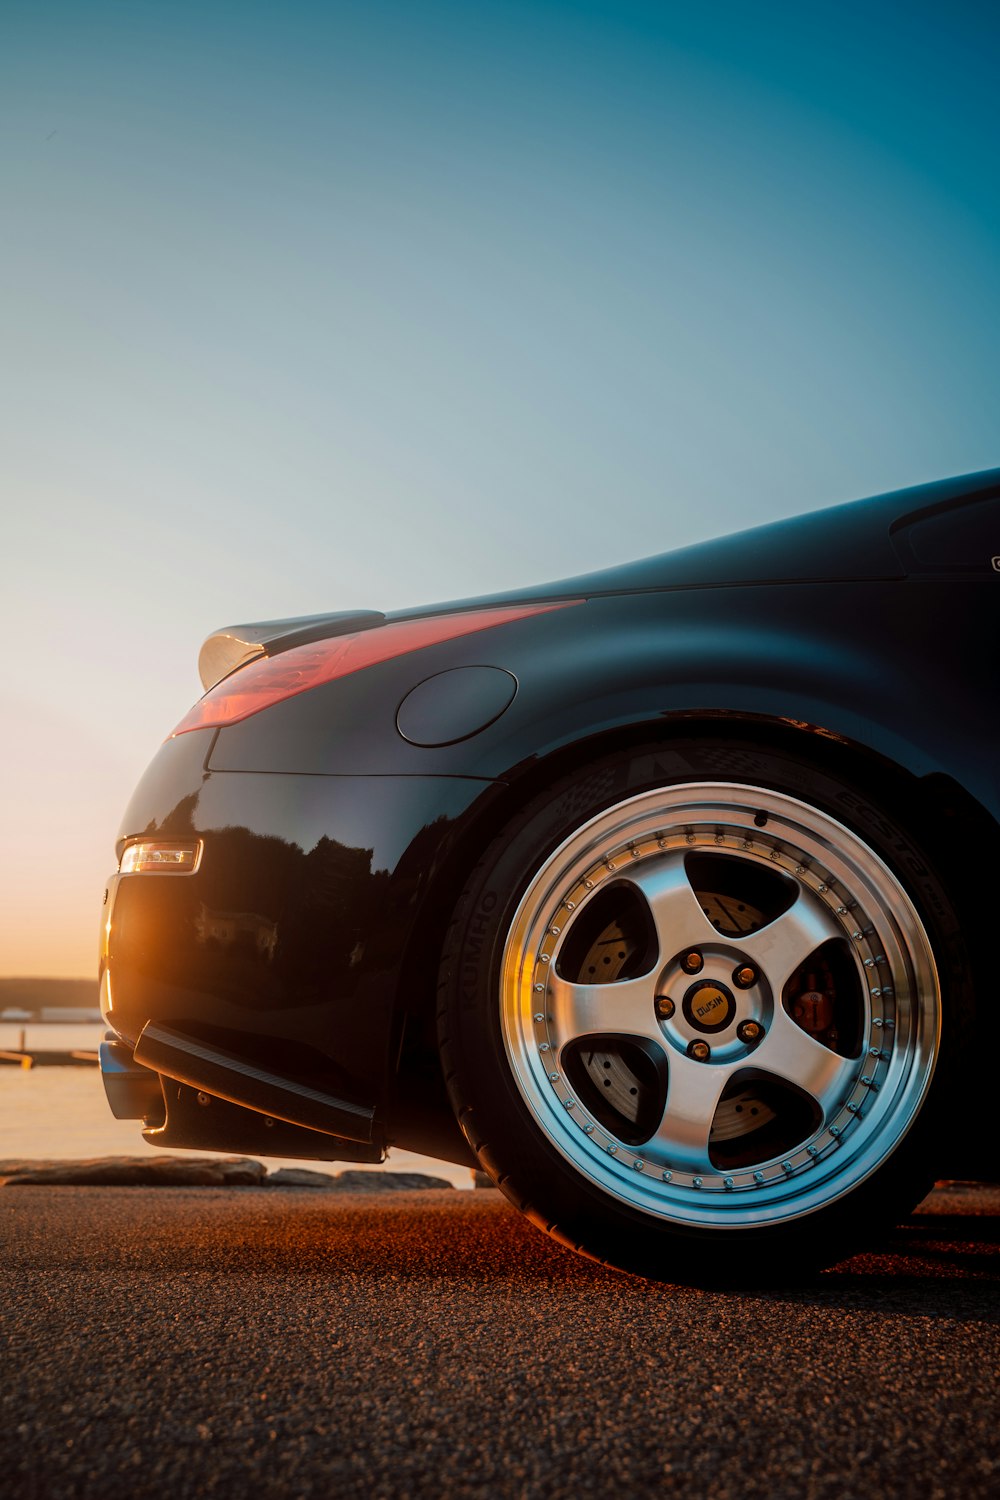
(62, 1114)
(73, 1036)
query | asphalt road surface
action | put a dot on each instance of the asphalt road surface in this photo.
(265, 1342)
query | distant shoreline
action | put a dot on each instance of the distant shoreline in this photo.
(36, 994)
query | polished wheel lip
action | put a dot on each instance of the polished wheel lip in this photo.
(839, 878)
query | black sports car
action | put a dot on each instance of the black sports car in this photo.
(662, 894)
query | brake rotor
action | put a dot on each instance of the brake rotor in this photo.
(620, 1087)
(739, 1115)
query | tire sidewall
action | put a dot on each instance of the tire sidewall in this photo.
(513, 1148)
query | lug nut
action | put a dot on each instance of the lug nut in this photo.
(692, 963)
(745, 977)
(749, 1031)
(700, 1051)
(664, 1007)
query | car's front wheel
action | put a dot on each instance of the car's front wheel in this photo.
(690, 1013)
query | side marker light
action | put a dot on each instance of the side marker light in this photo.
(155, 857)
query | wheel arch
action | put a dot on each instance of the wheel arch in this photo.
(945, 816)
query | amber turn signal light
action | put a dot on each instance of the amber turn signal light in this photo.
(158, 857)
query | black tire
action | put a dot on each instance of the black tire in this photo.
(654, 1176)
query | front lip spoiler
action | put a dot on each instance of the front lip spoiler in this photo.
(166, 1050)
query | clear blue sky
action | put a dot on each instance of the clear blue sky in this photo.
(307, 306)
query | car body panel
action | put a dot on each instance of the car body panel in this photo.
(856, 541)
(288, 938)
(334, 846)
(841, 658)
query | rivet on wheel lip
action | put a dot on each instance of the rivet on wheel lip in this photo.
(588, 1129)
(696, 1182)
(553, 1077)
(667, 1176)
(538, 1017)
(786, 1166)
(639, 1166)
(758, 1177)
(728, 1183)
(612, 1150)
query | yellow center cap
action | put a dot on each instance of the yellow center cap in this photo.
(709, 1006)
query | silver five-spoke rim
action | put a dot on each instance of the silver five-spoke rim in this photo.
(720, 1005)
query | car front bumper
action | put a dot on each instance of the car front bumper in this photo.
(286, 957)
